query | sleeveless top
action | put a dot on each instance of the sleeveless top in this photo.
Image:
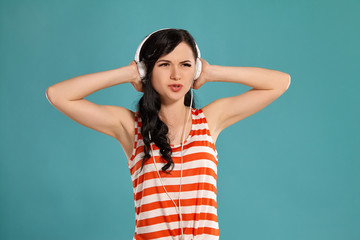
(155, 214)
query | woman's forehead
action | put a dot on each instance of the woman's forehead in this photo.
(181, 53)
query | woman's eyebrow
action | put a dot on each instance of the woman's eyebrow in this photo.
(163, 60)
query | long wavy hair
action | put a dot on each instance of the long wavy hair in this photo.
(157, 45)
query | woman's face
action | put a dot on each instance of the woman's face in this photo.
(177, 67)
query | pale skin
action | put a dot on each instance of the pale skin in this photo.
(176, 67)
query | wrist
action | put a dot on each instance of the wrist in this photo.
(131, 72)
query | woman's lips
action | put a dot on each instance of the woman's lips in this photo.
(175, 87)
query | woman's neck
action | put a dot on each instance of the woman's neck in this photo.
(174, 115)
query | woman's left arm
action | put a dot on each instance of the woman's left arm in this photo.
(257, 78)
(267, 85)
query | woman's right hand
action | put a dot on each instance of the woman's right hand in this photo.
(137, 83)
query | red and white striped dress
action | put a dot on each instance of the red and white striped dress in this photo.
(155, 213)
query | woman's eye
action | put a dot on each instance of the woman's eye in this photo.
(165, 64)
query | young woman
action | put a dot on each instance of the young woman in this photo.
(169, 143)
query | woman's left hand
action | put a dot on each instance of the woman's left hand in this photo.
(203, 76)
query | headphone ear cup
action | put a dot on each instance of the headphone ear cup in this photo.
(198, 67)
(142, 69)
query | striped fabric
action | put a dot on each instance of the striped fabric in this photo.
(155, 213)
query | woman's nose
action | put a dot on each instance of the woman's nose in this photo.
(175, 73)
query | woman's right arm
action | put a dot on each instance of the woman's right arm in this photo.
(68, 97)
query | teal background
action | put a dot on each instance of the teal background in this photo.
(290, 171)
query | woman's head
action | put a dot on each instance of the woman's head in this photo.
(160, 44)
(163, 42)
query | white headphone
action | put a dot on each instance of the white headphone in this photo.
(142, 71)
